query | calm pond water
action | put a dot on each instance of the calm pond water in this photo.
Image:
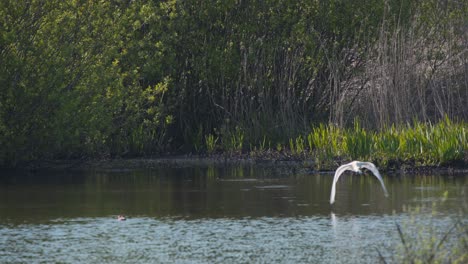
(218, 214)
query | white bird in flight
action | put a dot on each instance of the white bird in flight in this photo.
(355, 166)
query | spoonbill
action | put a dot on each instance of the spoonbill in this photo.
(355, 166)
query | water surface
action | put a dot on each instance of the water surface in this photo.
(215, 214)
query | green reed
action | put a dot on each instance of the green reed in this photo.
(358, 143)
(429, 243)
(141, 140)
(211, 141)
(325, 143)
(297, 146)
(236, 140)
(428, 144)
(416, 143)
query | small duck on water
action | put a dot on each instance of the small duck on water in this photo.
(121, 218)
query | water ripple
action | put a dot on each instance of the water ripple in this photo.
(224, 240)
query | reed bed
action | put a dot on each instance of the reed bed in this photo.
(417, 144)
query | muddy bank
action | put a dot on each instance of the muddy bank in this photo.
(280, 163)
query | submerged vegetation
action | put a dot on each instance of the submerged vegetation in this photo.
(93, 79)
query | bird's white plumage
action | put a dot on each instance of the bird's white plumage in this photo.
(356, 167)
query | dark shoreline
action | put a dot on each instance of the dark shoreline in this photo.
(299, 165)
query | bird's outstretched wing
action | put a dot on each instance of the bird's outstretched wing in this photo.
(370, 166)
(338, 173)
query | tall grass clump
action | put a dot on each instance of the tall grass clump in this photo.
(449, 141)
(423, 240)
(141, 140)
(197, 139)
(232, 141)
(358, 143)
(428, 244)
(415, 144)
(386, 145)
(439, 144)
(297, 146)
(324, 142)
(210, 142)
(420, 144)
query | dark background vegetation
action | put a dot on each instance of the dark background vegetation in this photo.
(124, 78)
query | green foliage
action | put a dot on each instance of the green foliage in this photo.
(291, 146)
(197, 140)
(425, 144)
(262, 145)
(297, 146)
(116, 78)
(325, 143)
(279, 147)
(449, 141)
(210, 142)
(428, 243)
(233, 141)
(358, 143)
